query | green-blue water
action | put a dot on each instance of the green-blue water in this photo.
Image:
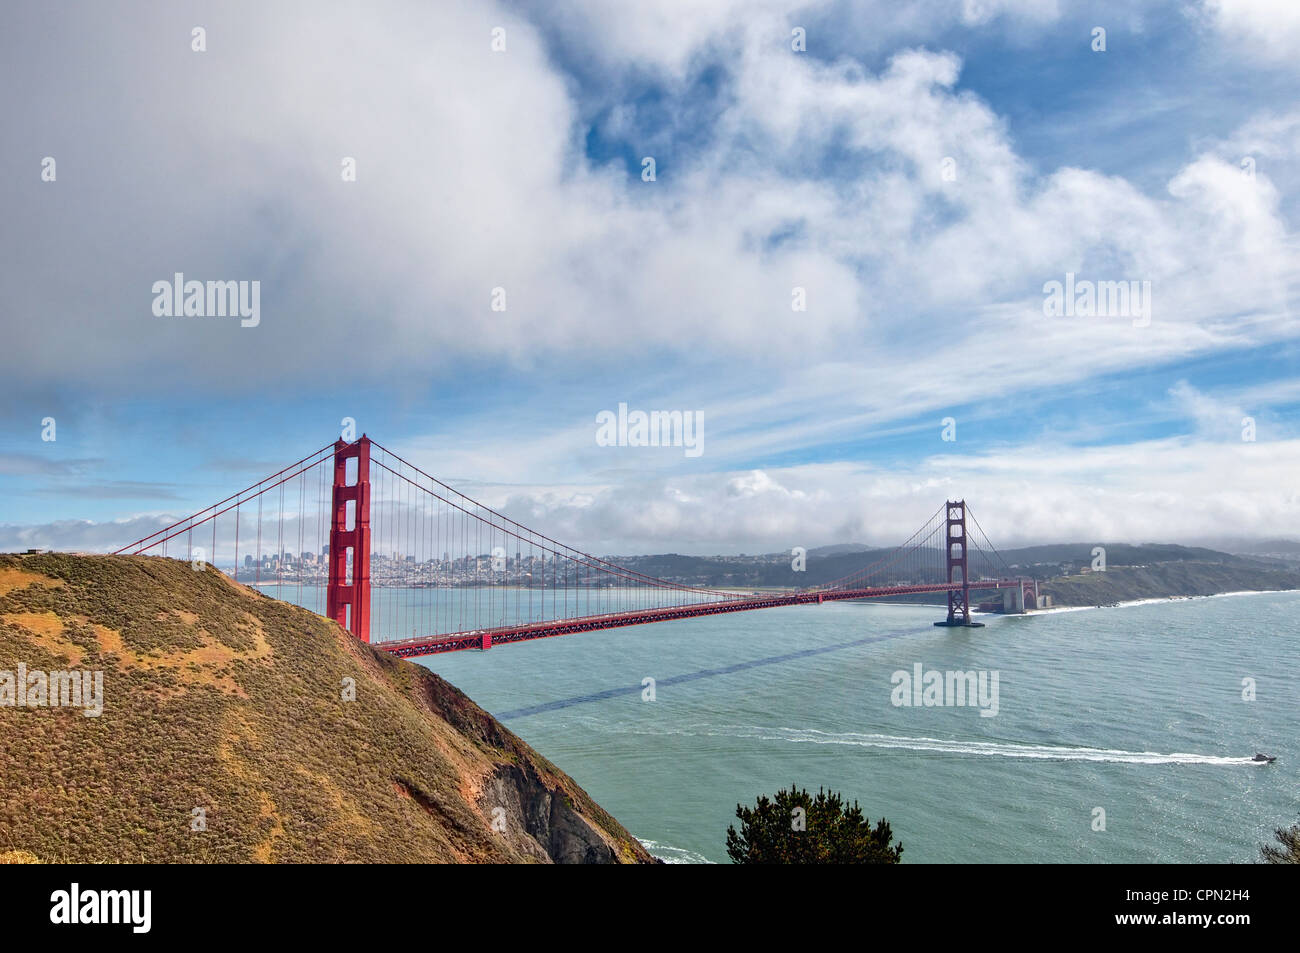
(1137, 710)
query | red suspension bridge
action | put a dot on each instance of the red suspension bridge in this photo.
(392, 553)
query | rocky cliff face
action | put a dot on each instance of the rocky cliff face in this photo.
(238, 728)
(553, 828)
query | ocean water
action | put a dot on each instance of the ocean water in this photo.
(1136, 710)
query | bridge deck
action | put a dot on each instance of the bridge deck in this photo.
(485, 638)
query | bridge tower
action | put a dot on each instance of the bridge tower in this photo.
(347, 595)
(955, 537)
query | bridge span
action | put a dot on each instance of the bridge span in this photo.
(381, 523)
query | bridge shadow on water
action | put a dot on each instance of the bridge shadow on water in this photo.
(695, 676)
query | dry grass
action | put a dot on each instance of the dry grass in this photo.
(12, 578)
(47, 630)
(18, 857)
(219, 697)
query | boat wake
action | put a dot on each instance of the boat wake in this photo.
(995, 749)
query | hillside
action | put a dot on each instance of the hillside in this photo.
(217, 697)
(1186, 578)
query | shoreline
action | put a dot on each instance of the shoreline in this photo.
(1155, 600)
(1151, 600)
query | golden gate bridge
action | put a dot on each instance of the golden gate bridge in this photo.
(393, 528)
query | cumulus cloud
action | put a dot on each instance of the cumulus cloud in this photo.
(822, 174)
(1269, 28)
(1171, 490)
(471, 178)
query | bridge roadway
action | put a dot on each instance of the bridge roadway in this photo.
(486, 638)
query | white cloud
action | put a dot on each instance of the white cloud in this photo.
(1271, 135)
(471, 177)
(1269, 28)
(667, 35)
(922, 293)
(1213, 416)
(1172, 490)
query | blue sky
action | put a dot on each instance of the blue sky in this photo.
(776, 169)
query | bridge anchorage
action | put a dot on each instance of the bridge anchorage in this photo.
(418, 568)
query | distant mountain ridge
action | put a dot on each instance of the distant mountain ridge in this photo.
(1043, 562)
(838, 549)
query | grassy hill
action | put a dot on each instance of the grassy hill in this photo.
(1186, 578)
(217, 697)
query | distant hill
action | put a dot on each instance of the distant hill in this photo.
(1283, 551)
(217, 697)
(1177, 578)
(1118, 554)
(1145, 571)
(839, 549)
(1289, 546)
(771, 570)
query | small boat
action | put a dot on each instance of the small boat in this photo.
(1264, 758)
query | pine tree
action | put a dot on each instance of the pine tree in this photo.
(1288, 852)
(797, 828)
